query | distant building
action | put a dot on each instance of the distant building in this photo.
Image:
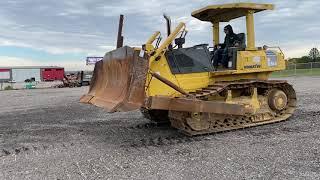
(36, 73)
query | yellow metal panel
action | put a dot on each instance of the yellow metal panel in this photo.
(250, 31)
(193, 81)
(216, 33)
(254, 61)
(226, 12)
(240, 76)
(188, 82)
(250, 65)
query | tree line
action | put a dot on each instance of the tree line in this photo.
(314, 56)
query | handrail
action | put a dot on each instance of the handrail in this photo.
(276, 47)
(169, 40)
(153, 37)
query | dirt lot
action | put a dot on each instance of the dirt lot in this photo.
(47, 134)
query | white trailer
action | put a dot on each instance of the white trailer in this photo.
(22, 74)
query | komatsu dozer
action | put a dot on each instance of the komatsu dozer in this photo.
(176, 84)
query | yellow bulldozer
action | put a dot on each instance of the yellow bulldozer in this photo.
(176, 84)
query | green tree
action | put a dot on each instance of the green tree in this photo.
(303, 59)
(314, 54)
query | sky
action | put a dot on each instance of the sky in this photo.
(64, 33)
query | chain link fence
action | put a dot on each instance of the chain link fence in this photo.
(301, 69)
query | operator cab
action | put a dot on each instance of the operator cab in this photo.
(224, 13)
(200, 58)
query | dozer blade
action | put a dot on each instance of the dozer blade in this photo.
(118, 82)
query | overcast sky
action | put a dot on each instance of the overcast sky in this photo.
(63, 32)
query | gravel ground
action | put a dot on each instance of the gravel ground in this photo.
(47, 134)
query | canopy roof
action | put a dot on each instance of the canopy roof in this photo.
(227, 12)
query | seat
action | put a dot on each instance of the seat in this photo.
(242, 43)
(232, 51)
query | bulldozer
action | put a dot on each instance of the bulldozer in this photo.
(173, 84)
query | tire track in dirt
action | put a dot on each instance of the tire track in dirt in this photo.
(159, 140)
(181, 138)
(35, 148)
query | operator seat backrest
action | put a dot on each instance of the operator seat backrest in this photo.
(232, 51)
(242, 37)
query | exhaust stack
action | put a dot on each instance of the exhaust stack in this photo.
(120, 37)
(168, 19)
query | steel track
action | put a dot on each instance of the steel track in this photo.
(229, 122)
